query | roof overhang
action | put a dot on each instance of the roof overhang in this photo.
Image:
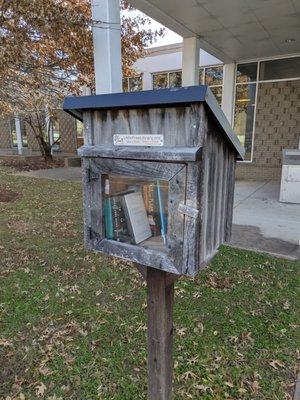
(232, 30)
(76, 106)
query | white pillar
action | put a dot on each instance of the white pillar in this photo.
(107, 45)
(228, 91)
(147, 81)
(19, 135)
(190, 61)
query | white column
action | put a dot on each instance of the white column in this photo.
(19, 135)
(107, 45)
(228, 91)
(190, 61)
(147, 81)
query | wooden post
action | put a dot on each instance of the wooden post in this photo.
(160, 300)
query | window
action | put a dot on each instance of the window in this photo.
(136, 210)
(246, 73)
(248, 76)
(133, 83)
(24, 134)
(13, 132)
(55, 130)
(244, 115)
(167, 80)
(79, 133)
(288, 68)
(245, 98)
(175, 79)
(213, 77)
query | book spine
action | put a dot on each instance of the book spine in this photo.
(129, 225)
(152, 208)
(109, 229)
(120, 224)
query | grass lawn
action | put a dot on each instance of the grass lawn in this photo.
(72, 323)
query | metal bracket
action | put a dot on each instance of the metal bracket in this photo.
(188, 210)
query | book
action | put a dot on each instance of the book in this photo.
(109, 229)
(151, 199)
(136, 216)
(120, 227)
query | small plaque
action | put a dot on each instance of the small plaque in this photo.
(139, 140)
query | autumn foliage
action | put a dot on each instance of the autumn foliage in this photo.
(46, 51)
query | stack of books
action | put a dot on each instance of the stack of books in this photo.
(138, 214)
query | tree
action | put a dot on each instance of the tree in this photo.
(46, 51)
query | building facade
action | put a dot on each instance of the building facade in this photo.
(265, 107)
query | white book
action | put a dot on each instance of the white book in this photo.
(136, 215)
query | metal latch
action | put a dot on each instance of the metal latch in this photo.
(188, 210)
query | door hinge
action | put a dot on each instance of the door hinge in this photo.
(91, 233)
(92, 176)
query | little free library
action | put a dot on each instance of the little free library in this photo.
(158, 184)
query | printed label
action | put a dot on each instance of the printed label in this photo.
(138, 140)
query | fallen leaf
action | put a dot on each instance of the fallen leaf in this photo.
(276, 364)
(255, 386)
(40, 390)
(5, 343)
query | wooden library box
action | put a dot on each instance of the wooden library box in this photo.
(158, 176)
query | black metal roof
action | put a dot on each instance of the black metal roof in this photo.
(154, 98)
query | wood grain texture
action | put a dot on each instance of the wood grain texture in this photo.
(160, 300)
(191, 249)
(181, 126)
(137, 254)
(88, 128)
(142, 153)
(175, 235)
(133, 168)
(218, 166)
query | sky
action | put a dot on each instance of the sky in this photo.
(169, 36)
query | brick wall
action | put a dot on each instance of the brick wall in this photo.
(277, 127)
(67, 128)
(5, 136)
(33, 144)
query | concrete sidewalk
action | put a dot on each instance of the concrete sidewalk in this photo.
(260, 221)
(72, 174)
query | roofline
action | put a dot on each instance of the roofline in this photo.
(155, 98)
(166, 49)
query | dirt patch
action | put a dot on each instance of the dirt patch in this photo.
(31, 165)
(8, 196)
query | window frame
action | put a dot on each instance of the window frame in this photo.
(162, 73)
(127, 78)
(257, 82)
(204, 67)
(175, 174)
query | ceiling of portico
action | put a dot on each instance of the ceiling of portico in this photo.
(232, 30)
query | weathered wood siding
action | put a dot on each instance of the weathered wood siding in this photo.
(181, 126)
(218, 166)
